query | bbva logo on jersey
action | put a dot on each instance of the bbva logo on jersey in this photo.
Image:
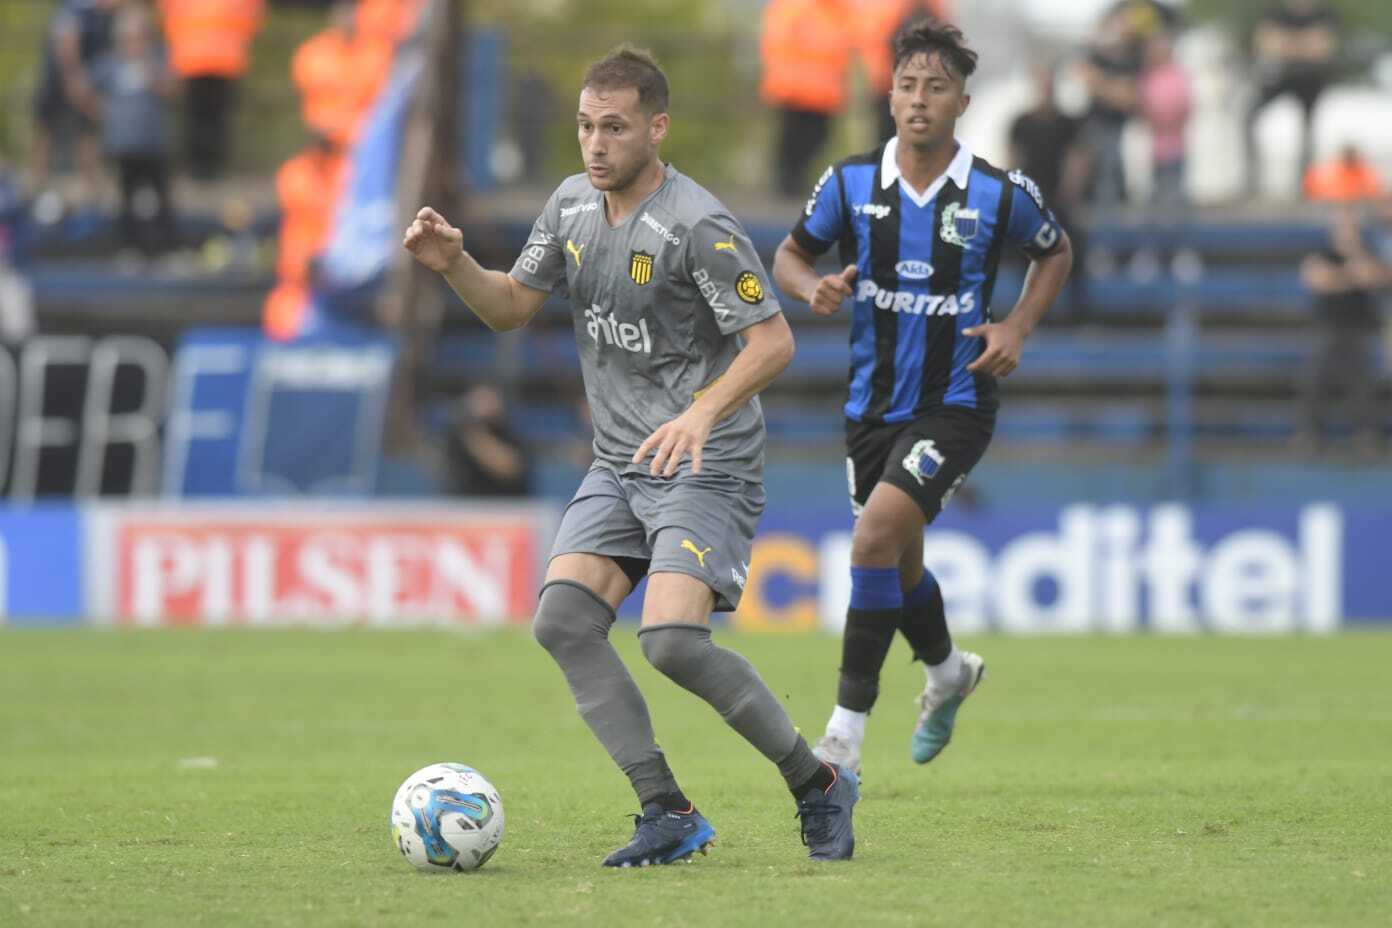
(625, 335)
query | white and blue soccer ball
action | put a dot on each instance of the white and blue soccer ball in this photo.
(447, 817)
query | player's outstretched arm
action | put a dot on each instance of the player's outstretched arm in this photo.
(767, 352)
(793, 272)
(1006, 339)
(495, 297)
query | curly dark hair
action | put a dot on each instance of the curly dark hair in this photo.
(926, 35)
(629, 66)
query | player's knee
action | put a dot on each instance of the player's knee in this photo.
(876, 543)
(676, 650)
(568, 616)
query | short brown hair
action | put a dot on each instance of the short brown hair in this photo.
(926, 35)
(628, 66)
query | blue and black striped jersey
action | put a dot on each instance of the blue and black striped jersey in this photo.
(927, 266)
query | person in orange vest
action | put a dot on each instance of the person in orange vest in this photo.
(1344, 179)
(339, 72)
(806, 46)
(387, 20)
(876, 23)
(210, 50)
(307, 188)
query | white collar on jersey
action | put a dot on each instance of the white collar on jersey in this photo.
(959, 172)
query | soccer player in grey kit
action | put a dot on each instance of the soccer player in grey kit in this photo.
(677, 332)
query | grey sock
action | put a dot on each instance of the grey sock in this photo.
(572, 623)
(727, 681)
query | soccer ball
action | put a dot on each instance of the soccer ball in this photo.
(447, 817)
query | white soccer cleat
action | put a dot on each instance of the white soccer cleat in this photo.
(939, 715)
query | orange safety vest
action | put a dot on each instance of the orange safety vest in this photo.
(877, 21)
(806, 46)
(386, 20)
(338, 77)
(211, 38)
(1341, 181)
(308, 187)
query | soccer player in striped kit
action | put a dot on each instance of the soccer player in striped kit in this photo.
(920, 224)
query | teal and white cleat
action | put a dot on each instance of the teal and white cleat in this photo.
(839, 752)
(935, 722)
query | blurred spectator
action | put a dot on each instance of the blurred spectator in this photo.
(1112, 73)
(806, 46)
(386, 20)
(307, 187)
(484, 456)
(876, 23)
(210, 48)
(1343, 179)
(78, 34)
(130, 89)
(1050, 147)
(1294, 47)
(338, 73)
(1346, 279)
(1166, 103)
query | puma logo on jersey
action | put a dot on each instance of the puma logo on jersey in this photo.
(573, 249)
(689, 545)
(726, 246)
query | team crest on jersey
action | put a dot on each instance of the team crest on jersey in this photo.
(923, 460)
(640, 267)
(959, 224)
(748, 287)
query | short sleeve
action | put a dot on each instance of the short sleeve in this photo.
(823, 218)
(1033, 228)
(541, 265)
(728, 273)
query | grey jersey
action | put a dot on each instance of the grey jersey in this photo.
(657, 303)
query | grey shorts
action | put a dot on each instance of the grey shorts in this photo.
(701, 525)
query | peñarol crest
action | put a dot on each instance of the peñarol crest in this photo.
(640, 267)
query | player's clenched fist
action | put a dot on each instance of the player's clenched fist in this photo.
(433, 241)
(832, 290)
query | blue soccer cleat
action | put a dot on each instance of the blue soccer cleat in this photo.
(663, 837)
(935, 722)
(826, 818)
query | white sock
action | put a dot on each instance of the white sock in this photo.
(946, 676)
(847, 724)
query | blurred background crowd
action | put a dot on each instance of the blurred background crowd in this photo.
(1221, 166)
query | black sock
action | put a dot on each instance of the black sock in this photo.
(923, 621)
(674, 802)
(864, 645)
(822, 780)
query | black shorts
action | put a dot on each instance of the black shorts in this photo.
(927, 458)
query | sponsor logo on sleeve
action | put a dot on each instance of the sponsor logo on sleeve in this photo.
(1021, 180)
(711, 291)
(727, 246)
(817, 190)
(749, 288)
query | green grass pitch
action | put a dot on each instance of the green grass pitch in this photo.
(1092, 782)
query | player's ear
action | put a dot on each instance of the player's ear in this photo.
(657, 128)
(962, 107)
